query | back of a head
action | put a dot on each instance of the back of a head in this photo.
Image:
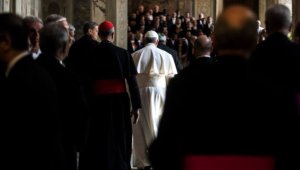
(278, 18)
(89, 25)
(106, 28)
(53, 37)
(32, 19)
(162, 38)
(13, 27)
(236, 30)
(202, 44)
(151, 37)
(54, 18)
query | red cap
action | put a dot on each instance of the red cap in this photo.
(105, 26)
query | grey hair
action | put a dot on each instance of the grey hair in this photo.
(53, 37)
(71, 28)
(150, 40)
(32, 19)
(278, 17)
(54, 18)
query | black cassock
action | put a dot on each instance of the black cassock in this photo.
(109, 140)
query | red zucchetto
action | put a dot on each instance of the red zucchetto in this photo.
(105, 26)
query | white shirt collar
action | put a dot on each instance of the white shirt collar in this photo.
(12, 63)
(35, 55)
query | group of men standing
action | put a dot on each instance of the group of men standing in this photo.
(62, 102)
(55, 107)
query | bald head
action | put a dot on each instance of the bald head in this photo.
(202, 46)
(236, 29)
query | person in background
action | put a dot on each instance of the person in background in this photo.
(162, 44)
(33, 26)
(155, 68)
(28, 99)
(57, 18)
(54, 42)
(72, 34)
(259, 27)
(201, 50)
(80, 54)
(200, 119)
(109, 140)
(275, 68)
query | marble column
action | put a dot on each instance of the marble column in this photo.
(81, 14)
(261, 12)
(68, 7)
(272, 2)
(6, 5)
(219, 7)
(117, 13)
(296, 11)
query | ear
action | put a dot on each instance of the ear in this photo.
(90, 31)
(113, 36)
(5, 42)
(156, 42)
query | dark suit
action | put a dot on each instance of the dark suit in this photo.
(79, 59)
(72, 106)
(30, 137)
(213, 110)
(275, 71)
(173, 53)
(110, 135)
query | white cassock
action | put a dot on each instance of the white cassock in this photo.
(155, 67)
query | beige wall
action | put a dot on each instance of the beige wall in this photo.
(21, 7)
(170, 5)
(207, 7)
(98, 10)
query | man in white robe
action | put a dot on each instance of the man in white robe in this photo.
(155, 67)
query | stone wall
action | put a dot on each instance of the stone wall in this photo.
(21, 7)
(206, 7)
(81, 14)
(169, 5)
(98, 10)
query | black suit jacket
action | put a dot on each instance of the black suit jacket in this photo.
(79, 59)
(173, 53)
(73, 107)
(215, 110)
(30, 134)
(275, 69)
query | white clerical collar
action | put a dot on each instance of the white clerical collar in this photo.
(12, 63)
(151, 44)
(207, 56)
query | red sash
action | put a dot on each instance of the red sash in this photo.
(109, 86)
(228, 162)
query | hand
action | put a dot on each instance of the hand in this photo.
(135, 113)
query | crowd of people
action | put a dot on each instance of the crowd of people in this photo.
(180, 30)
(185, 87)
